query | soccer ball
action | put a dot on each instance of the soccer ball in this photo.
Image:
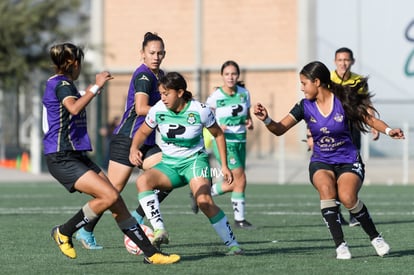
(131, 247)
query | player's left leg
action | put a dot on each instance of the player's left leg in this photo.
(349, 185)
(201, 190)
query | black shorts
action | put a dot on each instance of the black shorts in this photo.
(119, 150)
(357, 168)
(67, 167)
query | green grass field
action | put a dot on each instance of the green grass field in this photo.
(290, 237)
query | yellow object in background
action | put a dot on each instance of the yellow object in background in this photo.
(208, 139)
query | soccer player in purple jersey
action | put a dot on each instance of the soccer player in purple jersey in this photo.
(142, 94)
(343, 75)
(335, 168)
(66, 143)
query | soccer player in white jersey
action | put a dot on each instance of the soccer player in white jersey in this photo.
(180, 120)
(231, 105)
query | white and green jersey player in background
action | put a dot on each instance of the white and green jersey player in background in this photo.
(231, 104)
(180, 121)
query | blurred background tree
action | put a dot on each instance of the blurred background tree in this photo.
(27, 30)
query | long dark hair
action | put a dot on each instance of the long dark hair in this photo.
(175, 81)
(355, 99)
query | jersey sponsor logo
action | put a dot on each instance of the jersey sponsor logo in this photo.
(236, 109)
(326, 140)
(312, 119)
(150, 120)
(221, 103)
(65, 83)
(175, 130)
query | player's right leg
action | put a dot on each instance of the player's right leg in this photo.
(148, 199)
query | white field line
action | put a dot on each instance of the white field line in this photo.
(178, 210)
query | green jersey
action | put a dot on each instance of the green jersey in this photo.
(182, 133)
(231, 111)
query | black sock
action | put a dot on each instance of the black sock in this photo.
(331, 217)
(90, 226)
(73, 224)
(161, 196)
(137, 235)
(366, 222)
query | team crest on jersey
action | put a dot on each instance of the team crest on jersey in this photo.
(338, 117)
(242, 98)
(144, 77)
(191, 119)
(324, 130)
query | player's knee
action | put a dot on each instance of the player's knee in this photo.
(204, 202)
(111, 197)
(348, 200)
(356, 207)
(142, 183)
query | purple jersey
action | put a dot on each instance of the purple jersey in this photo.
(63, 131)
(331, 133)
(143, 80)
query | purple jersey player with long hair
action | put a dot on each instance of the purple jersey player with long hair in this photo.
(336, 169)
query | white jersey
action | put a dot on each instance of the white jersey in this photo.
(231, 111)
(182, 133)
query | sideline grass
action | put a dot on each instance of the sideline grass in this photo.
(290, 237)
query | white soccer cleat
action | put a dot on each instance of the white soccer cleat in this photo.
(380, 246)
(342, 252)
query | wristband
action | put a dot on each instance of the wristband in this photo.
(267, 121)
(94, 89)
(387, 131)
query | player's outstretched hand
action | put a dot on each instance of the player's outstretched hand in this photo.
(397, 133)
(260, 111)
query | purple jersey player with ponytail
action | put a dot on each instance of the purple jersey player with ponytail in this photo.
(66, 143)
(336, 169)
(142, 95)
